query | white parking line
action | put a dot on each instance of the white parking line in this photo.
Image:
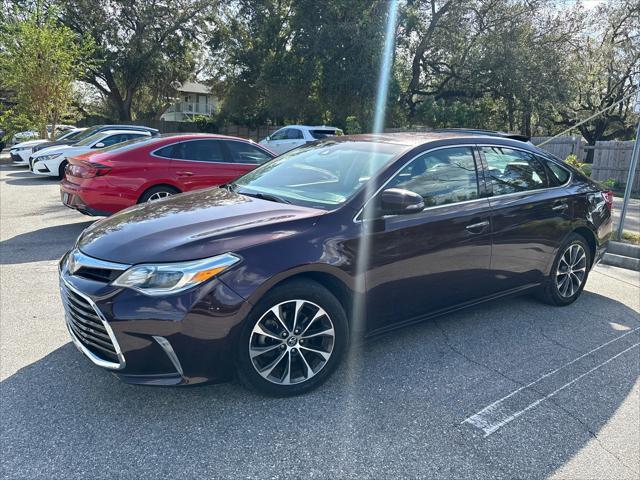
(493, 417)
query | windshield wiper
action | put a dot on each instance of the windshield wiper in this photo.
(264, 196)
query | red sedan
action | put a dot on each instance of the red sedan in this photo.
(148, 169)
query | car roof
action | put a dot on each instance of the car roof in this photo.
(411, 139)
(309, 127)
(124, 127)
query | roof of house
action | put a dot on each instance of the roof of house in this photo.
(194, 87)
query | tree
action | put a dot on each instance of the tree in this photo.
(605, 65)
(141, 46)
(40, 61)
(298, 61)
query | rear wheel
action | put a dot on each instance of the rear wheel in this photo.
(61, 169)
(569, 272)
(293, 339)
(157, 193)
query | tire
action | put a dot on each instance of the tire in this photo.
(61, 169)
(292, 363)
(574, 256)
(159, 191)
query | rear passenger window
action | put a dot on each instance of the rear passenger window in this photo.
(557, 175)
(242, 152)
(200, 151)
(511, 171)
(440, 177)
(166, 152)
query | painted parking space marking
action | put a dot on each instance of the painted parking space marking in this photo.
(508, 408)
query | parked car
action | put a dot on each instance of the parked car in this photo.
(92, 131)
(106, 181)
(21, 152)
(263, 276)
(53, 161)
(33, 134)
(293, 136)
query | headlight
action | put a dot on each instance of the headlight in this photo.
(168, 278)
(46, 158)
(20, 149)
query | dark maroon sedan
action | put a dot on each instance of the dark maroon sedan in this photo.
(270, 276)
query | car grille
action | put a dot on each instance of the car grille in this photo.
(86, 324)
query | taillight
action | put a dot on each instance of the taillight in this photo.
(607, 195)
(87, 170)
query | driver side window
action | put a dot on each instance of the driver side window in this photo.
(442, 176)
(280, 134)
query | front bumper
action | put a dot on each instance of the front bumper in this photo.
(48, 168)
(20, 157)
(180, 339)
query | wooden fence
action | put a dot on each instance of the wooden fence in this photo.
(256, 134)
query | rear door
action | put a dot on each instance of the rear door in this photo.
(531, 215)
(200, 164)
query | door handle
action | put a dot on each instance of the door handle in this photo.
(560, 207)
(184, 174)
(477, 227)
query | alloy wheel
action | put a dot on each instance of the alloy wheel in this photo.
(571, 271)
(159, 195)
(292, 342)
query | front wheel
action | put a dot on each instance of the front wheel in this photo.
(293, 339)
(569, 272)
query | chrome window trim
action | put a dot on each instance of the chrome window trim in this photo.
(153, 152)
(90, 355)
(489, 197)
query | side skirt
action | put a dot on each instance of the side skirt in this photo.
(447, 310)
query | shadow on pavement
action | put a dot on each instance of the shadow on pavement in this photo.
(394, 411)
(48, 243)
(22, 176)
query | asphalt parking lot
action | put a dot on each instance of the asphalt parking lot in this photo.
(512, 389)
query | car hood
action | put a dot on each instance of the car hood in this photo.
(63, 149)
(191, 226)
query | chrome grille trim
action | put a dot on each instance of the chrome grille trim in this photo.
(88, 327)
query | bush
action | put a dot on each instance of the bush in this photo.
(352, 126)
(584, 168)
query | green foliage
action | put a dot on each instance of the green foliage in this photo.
(572, 160)
(143, 49)
(205, 123)
(352, 125)
(41, 59)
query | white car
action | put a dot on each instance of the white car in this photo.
(293, 136)
(53, 160)
(21, 152)
(33, 134)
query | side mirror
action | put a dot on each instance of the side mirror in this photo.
(268, 138)
(397, 201)
(99, 145)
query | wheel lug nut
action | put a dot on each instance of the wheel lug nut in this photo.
(301, 341)
(294, 351)
(297, 332)
(283, 346)
(284, 334)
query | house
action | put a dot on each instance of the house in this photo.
(193, 99)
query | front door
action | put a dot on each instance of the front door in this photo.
(424, 262)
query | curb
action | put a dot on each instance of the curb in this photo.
(621, 261)
(624, 249)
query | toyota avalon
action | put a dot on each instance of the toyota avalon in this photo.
(268, 277)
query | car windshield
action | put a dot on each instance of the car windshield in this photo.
(88, 141)
(129, 144)
(324, 175)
